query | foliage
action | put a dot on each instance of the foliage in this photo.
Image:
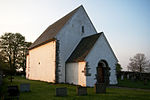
(10, 45)
(3, 65)
(138, 63)
(22, 56)
(14, 49)
(118, 67)
(46, 91)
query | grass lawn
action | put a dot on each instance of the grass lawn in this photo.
(46, 91)
(133, 84)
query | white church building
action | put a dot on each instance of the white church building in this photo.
(72, 51)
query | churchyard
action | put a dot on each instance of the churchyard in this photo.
(134, 84)
(134, 80)
(37, 90)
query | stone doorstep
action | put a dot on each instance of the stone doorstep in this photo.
(61, 91)
(81, 91)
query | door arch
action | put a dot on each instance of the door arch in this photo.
(102, 75)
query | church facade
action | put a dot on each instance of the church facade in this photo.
(72, 51)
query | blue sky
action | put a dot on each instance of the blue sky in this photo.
(126, 23)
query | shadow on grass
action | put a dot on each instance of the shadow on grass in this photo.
(46, 91)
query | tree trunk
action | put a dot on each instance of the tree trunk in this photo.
(10, 64)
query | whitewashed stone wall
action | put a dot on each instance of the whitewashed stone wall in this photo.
(70, 36)
(75, 74)
(41, 64)
(101, 51)
(27, 66)
(72, 73)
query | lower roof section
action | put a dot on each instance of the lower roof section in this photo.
(83, 48)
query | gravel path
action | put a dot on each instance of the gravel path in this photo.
(129, 88)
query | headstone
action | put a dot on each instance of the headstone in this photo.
(81, 91)
(11, 78)
(61, 91)
(13, 92)
(100, 88)
(22, 75)
(145, 82)
(25, 87)
(133, 78)
(128, 77)
(122, 77)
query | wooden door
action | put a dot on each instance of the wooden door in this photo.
(100, 74)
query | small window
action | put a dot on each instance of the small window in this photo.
(82, 29)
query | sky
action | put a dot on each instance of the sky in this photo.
(125, 23)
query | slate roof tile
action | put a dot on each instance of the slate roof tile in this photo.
(50, 33)
(83, 48)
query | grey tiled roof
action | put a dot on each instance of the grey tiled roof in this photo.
(49, 34)
(83, 48)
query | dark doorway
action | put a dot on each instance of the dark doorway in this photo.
(102, 75)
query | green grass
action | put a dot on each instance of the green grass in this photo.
(133, 84)
(46, 91)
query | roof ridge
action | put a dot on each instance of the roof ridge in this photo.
(64, 16)
(53, 29)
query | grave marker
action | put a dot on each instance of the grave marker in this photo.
(100, 88)
(25, 87)
(122, 77)
(128, 77)
(81, 90)
(61, 91)
(13, 92)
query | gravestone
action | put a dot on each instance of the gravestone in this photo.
(100, 88)
(22, 75)
(13, 92)
(25, 87)
(81, 90)
(122, 77)
(61, 91)
(128, 77)
(145, 81)
(133, 78)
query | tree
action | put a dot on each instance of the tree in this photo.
(118, 67)
(138, 63)
(14, 48)
(3, 64)
(22, 56)
(10, 45)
